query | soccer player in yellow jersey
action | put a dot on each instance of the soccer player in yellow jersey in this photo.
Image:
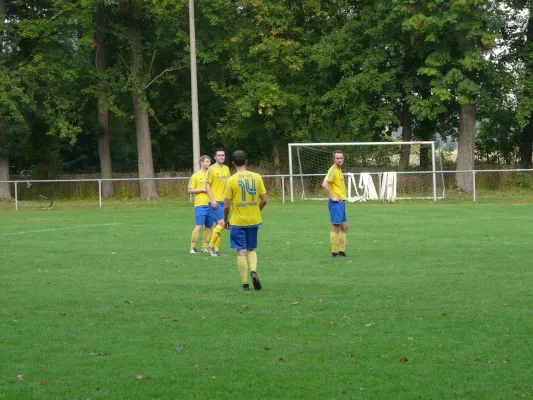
(217, 174)
(336, 190)
(245, 196)
(202, 210)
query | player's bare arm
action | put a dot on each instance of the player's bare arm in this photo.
(325, 185)
(263, 202)
(227, 206)
(214, 203)
(195, 191)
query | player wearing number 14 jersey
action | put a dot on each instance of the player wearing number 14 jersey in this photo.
(244, 198)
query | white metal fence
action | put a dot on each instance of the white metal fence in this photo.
(484, 182)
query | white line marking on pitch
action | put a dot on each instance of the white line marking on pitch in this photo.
(59, 229)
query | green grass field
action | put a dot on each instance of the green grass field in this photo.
(434, 302)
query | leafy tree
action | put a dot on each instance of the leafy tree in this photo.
(461, 32)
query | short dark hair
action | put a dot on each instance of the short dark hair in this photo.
(337, 152)
(239, 158)
(220, 149)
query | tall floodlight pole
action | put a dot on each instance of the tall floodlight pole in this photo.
(194, 91)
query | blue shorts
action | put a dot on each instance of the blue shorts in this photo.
(243, 238)
(203, 216)
(217, 213)
(337, 211)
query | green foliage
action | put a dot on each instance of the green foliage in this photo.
(270, 72)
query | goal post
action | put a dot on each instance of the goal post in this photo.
(417, 166)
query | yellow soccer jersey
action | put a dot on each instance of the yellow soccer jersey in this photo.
(245, 189)
(336, 182)
(198, 182)
(217, 176)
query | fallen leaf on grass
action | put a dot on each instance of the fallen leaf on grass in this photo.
(139, 378)
(491, 362)
(404, 359)
(384, 355)
(351, 355)
(163, 317)
(444, 313)
(20, 377)
(294, 303)
(507, 361)
(331, 322)
(507, 305)
(113, 253)
(175, 319)
(45, 381)
(369, 324)
(167, 261)
(409, 338)
(267, 348)
(128, 301)
(96, 389)
(178, 348)
(346, 318)
(356, 366)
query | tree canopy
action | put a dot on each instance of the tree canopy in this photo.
(103, 86)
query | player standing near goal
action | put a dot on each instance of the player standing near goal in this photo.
(202, 212)
(245, 195)
(336, 190)
(217, 174)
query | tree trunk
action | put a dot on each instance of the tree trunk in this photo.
(142, 121)
(5, 192)
(526, 142)
(277, 160)
(407, 136)
(526, 145)
(104, 150)
(466, 147)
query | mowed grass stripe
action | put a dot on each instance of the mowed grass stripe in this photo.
(433, 302)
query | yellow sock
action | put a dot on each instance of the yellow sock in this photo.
(243, 269)
(215, 238)
(342, 241)
(334, 239)
(251, 256)
(194, 238)
(206, 237)
(217, 243)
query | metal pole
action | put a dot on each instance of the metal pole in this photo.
(434, 173)
(283, 189)
(474, 185)
(16, 196)
(291, 190)
(194, 91)
(99, 193)
(301, 172)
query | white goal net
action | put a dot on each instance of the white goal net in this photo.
(413, 170)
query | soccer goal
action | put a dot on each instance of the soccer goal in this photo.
(415, 166)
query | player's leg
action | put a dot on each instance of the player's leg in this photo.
(218, 215)
(207, 231)
(200, 217)
(342, 234)
(335, 215)
(251, 255)
(238, 242)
